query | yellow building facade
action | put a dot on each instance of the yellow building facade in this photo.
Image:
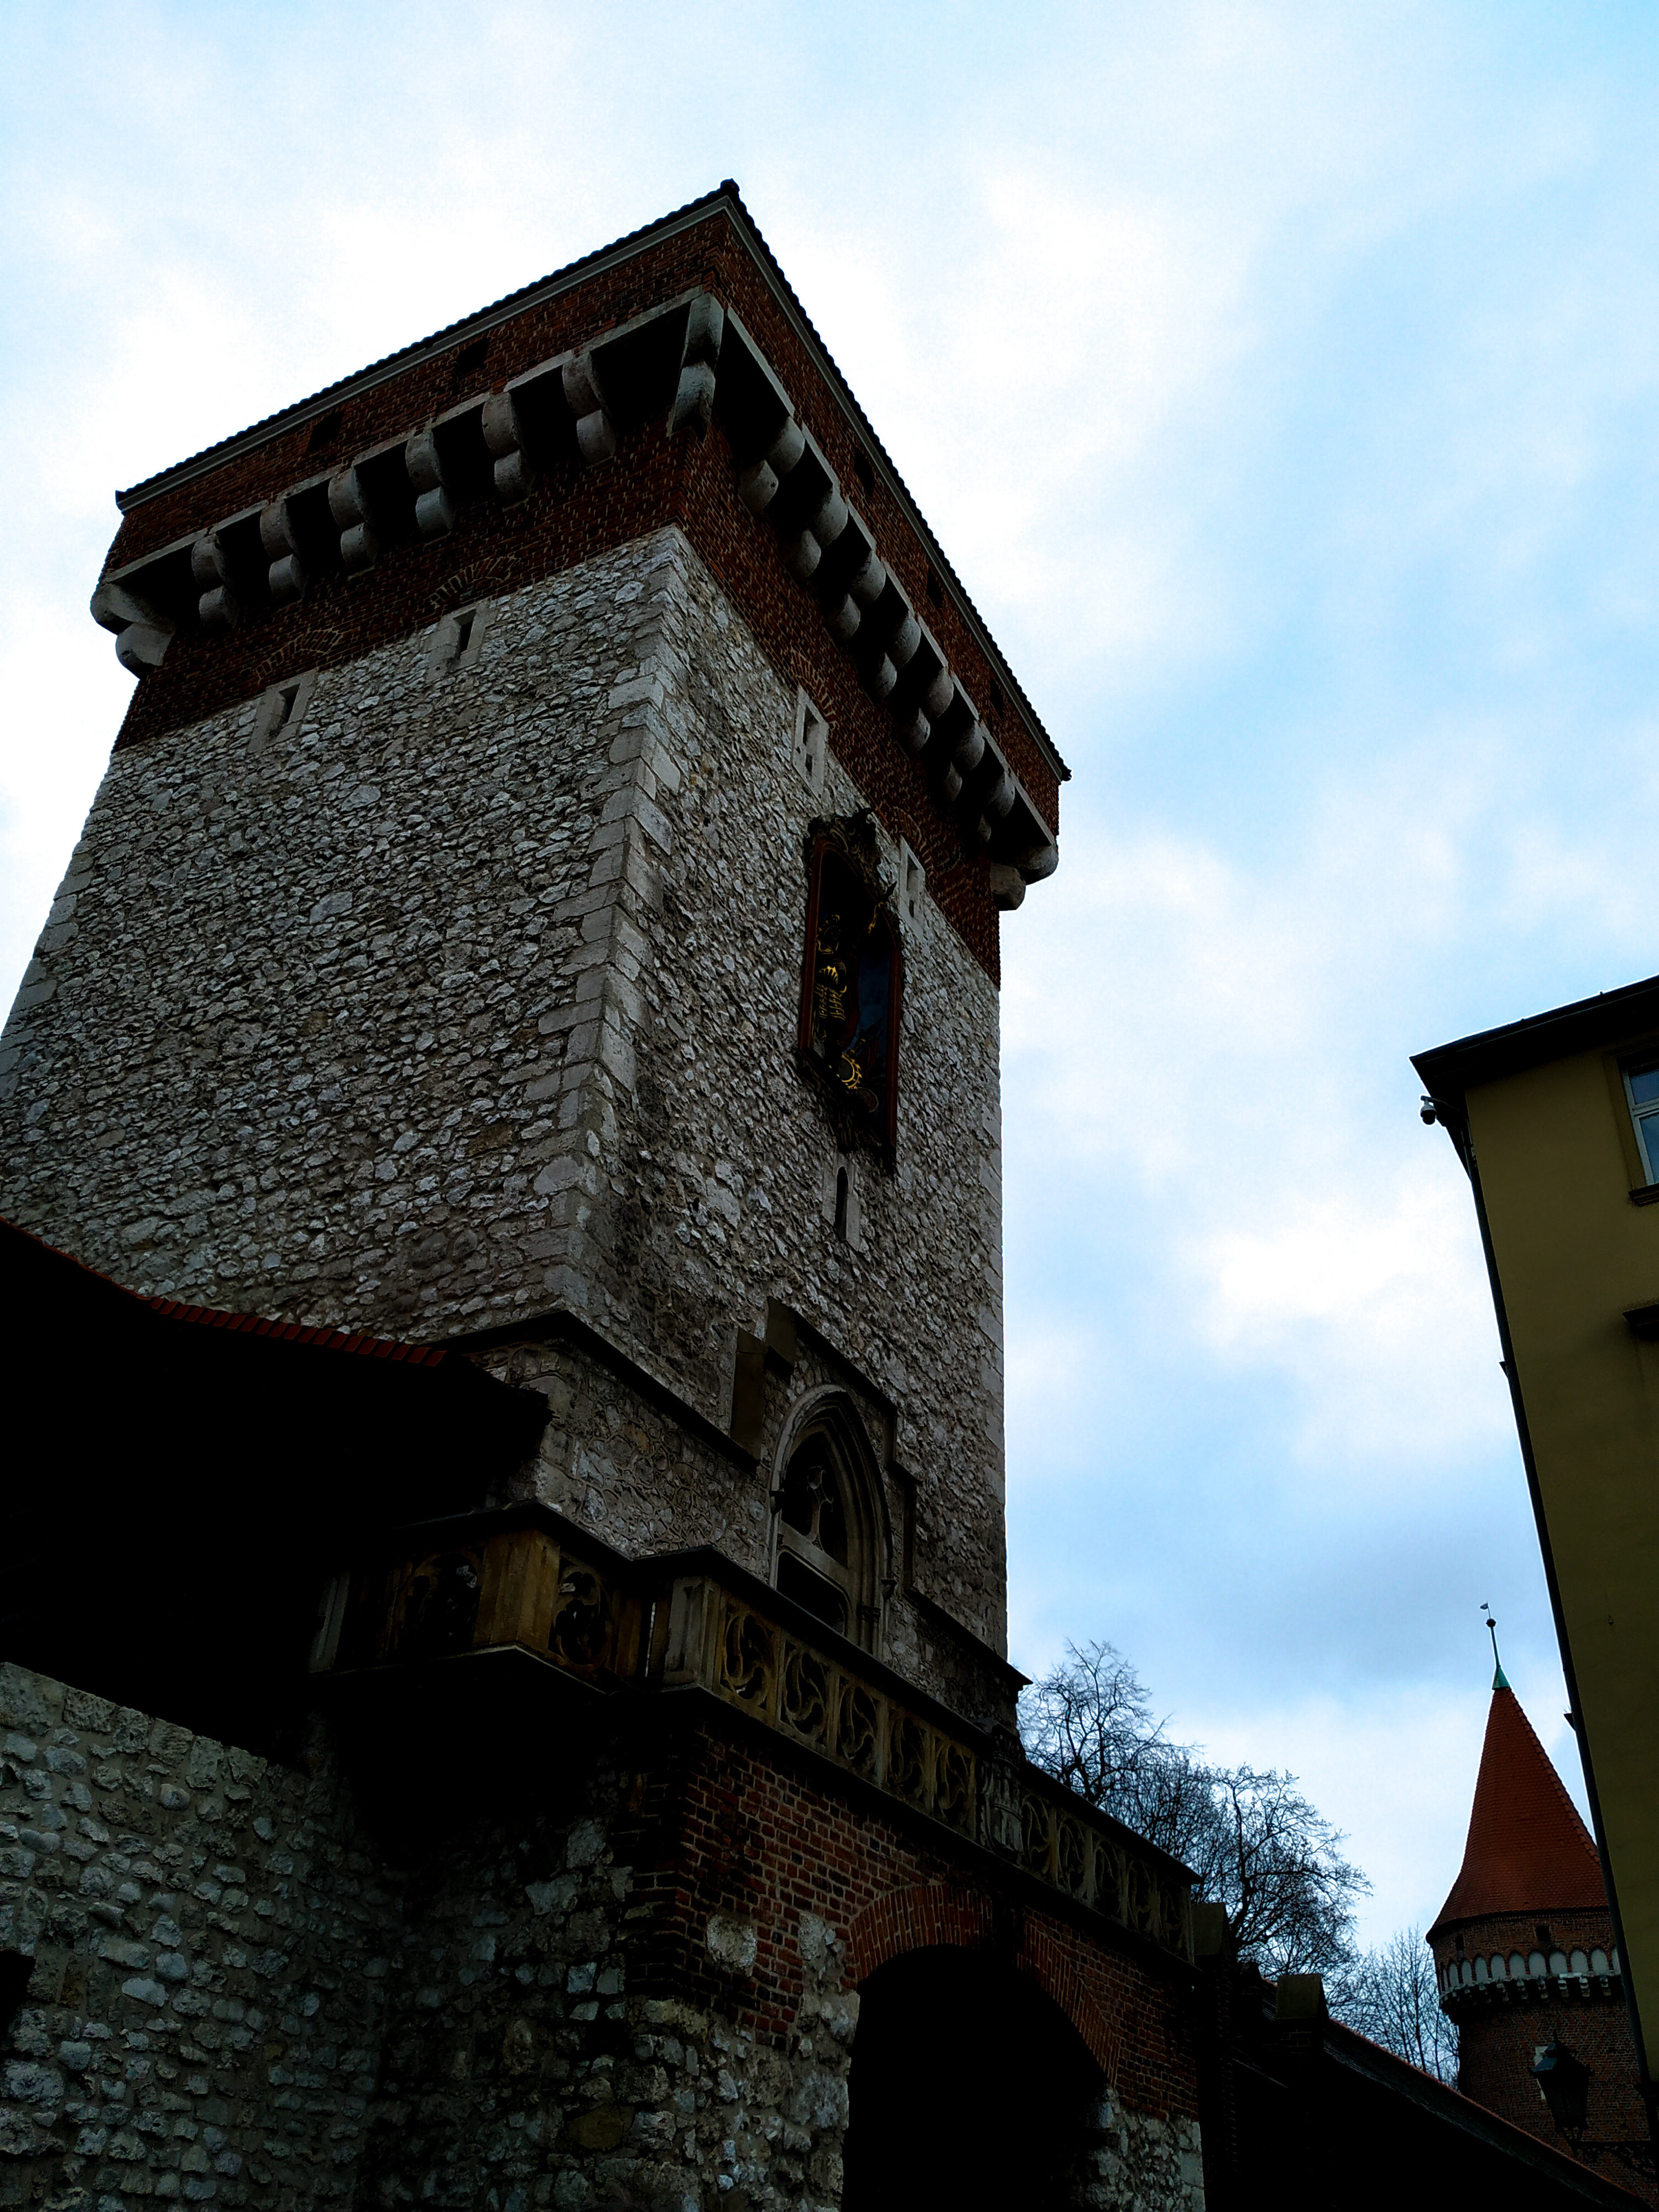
(1555, 1119)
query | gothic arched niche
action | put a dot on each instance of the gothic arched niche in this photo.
(829, 1540)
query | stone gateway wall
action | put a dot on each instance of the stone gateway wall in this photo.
(212, 1951)
(473, 990)
(590, 1992)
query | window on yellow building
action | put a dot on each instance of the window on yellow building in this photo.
(1642, 1086)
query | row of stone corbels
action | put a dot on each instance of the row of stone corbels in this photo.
(143, 632)
(345, 517)
(827, 546)
(353, 506)
(356, 509)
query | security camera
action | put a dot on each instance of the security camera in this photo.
(1429, 1111)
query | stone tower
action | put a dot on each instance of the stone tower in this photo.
(1524, 1947)
(433, 961)
(541, 916)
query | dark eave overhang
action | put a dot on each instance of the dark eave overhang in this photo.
(1612, 1018)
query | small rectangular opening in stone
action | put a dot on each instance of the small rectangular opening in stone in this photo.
(912, 882)
(864, 468)
(811, 742)
(288, 699)
(935, 588)
(325, 430)
(463, 631)
(998, 702)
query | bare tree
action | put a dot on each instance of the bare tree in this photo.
(1254, 1843)
(1390, 1995)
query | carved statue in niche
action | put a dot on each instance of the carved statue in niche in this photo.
(852, 985)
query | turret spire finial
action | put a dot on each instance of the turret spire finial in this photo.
(1499, 1680)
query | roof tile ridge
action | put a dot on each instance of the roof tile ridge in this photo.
(73, 1259)
(321, 1334)
(1563, 1793)
(167, 1308)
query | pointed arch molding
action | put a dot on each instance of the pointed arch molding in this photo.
(829, 1411)
(937, 1914)
(830, 1406)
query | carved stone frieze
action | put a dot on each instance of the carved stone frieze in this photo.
(537, 1584)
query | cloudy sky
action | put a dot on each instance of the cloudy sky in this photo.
(1283, 381)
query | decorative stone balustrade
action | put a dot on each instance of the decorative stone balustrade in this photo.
(716, 1639)
(528, 1580)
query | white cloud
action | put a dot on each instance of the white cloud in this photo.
(1372, 1301)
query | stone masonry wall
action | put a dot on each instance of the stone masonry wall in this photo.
(212, 1944)
(621, 1462)
(473, 991)
(236, 2000)
(606, 1980)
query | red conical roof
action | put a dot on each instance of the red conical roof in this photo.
(1528, 1850)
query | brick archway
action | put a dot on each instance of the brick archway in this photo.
(942, 1914)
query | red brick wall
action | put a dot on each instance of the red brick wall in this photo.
(1501, 2029)
(736, 1829)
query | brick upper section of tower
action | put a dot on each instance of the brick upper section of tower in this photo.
(670, 378)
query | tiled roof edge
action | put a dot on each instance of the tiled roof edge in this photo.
(333, 1339)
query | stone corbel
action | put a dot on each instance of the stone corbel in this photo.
(596, 434)
(287, 576)
(894, 635)
(804, 547)
(1007, 886)
(965, 755)
(349, 504)
(503, 433)
(915, 725)
(142, 646)
(902, 645)
(827, 523)
(435, 507)
(216, 608)
(758, 484)
(694, 397)
(141, 637)
(998, 801)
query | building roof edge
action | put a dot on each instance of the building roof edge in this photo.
(1450, 1070)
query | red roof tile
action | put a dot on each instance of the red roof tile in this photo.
(331, 1340)
(334, 1340)
(1528, 1850)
